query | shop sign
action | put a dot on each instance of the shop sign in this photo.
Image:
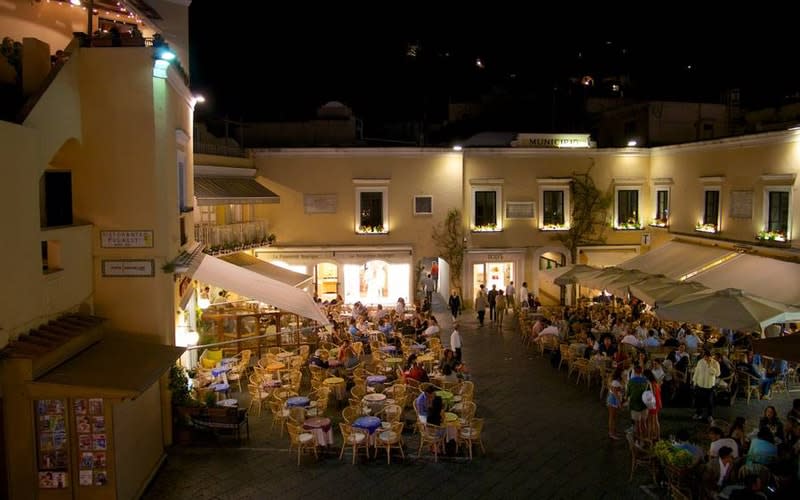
(364, 255)
(129, 268)
(494, 256)
(552, 141)
(126, 239)
(297, 256)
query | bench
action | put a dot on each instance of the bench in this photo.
(223, 419)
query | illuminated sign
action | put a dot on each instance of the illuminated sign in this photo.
(553, 141)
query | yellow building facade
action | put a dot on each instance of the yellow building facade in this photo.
(736, 193)
(96, 184)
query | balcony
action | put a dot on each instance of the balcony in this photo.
(233, 237)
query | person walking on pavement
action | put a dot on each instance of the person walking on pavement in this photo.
(428, 284)
(500, 306)
(455, 303)
(510, 294)
(481, 303)
(492, 296)
(523, 294)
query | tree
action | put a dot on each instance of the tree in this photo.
(450, 237)
(589, 214)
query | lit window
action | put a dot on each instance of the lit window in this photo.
(372, 210)
(554, 204)
(661, 218)
(485, 213)
(711, 210)
(627, 208)
(776, 214)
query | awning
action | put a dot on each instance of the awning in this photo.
(245, 282)
(677, 259)
(607, 256)
(787, 347)
(769, 278)
(266, 269)
(231, 190)
(118, 366)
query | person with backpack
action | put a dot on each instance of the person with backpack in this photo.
(637, 385)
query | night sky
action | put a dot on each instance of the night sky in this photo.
(255, 61)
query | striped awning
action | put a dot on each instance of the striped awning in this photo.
(231, 191)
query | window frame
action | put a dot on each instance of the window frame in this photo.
(766, 232)
(384, 191)
(564, 188)
(703, 225)
(414, 204)
(638, 212)
(657, 221)
(498, 190)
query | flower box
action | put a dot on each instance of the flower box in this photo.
(706, 228)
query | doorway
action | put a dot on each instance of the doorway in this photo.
(326, 278)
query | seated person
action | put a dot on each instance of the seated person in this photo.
(423, 402)
(432, 330)
(718, 442)
(347, 356)
(320, 359)
(436, 411)
(448, 375)
(762, 449)
(416, 371)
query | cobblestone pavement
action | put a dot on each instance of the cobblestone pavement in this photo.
(545, 437)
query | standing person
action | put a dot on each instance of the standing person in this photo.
(481, 303)
(500, 305)
(427, 283)
(455, 341)
(636, 387)
(614, 403)
(510, 294)
(653, 425)
(455, 303)
(435, 275)
(492, 296)
(523, 294)
(705, 378)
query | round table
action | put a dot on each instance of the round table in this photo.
(369, 424)
(321, 428)
(447, 397)
(418, 347)
(337, 385)
(228, 403)
(297, 402)
(376, 379)
(375, 401)
(394, 361)
(284, 355)
(388, 348)
(275, 366)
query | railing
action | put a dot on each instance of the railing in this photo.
(218, 149)
(230, 237)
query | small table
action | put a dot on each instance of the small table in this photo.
(375, 401)
(338, 386)
(376, 379)
(369, 424)
(394, 361)
(321, 428)
(447, 397)
(388, 348)
(275, 366)
(228, 403)
(297, 402)
(451, 425)
(284, 355)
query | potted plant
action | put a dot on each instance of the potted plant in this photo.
(183, 404)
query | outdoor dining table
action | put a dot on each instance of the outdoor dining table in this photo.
(369, 424)
(447, 398)
(321, 428)
(388, 348)
(451, 425)
(297, 402)
(284, 355)
(376, 379)
(375, 402)
(418, 347)
(394, 361)
(338, 386)
(275, 366)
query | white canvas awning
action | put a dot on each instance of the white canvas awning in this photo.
(677, 259)
(255, 286)
(268, 270)
(772, 279)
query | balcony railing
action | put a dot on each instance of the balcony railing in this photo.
(231, 237)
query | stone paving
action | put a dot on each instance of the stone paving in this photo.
(545, 437)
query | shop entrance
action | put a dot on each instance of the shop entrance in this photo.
(499, 274)
(326, 280)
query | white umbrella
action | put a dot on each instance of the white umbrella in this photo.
(728, 308)
(569, 275)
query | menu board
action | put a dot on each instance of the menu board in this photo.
(90, 425)
(52, 442)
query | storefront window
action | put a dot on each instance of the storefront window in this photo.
(327, 280)
(375, 282)
(499, 274)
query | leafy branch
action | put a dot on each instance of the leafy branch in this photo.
(589, 213)
(449, 236)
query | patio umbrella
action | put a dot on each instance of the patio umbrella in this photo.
(659, 291)
(571, 274)
(787, 347)
(729, 308)
(600, 280)
(621, 284)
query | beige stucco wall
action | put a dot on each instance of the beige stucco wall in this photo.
(291, 175)
(128, 180)
(741, 163)
(137, 441)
